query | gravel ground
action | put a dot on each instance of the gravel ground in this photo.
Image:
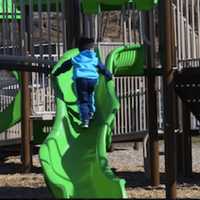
(127, 162)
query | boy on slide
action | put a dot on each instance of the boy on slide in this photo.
(86, 66)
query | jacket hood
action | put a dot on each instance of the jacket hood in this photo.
(85, 56)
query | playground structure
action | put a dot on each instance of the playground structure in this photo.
(184, 19)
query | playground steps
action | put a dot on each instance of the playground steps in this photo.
(187, 87)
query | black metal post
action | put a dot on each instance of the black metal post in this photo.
(169, 96)
(73, 22)
(187, 142)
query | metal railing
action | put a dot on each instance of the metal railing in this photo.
(187, 28)
(131, 92)
(187, 37)
(42, 91)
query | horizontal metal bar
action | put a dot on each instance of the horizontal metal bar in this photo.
(129, 137)
(188, 73)
(10, 142)
(28, 64)
(135, 136)
(189, 59)
(153, 72)
(195, 132)
(26, 59)
(149, 72)
(24, 67)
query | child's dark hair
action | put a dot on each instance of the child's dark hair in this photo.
(85, 43)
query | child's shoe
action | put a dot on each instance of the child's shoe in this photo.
(85, 124)
(91, 115)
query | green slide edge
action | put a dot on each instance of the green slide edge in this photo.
(12, 114)
(74, 160)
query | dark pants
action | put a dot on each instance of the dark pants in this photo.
(85, 92)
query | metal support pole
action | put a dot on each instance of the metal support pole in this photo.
(169, 96)
(152, 104)
(184, 154)
(25, 124)
(73, 20)
(187, 143)
(26, 138)
(180, 154)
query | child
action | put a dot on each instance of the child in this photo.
(85, 74)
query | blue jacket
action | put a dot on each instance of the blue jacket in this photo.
(85, 65)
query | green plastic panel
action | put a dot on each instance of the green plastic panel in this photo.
(12, 114)
(90, 7)
(127, 60)
(97, 6)
(7, 8)
(145, 4)
(74, 160)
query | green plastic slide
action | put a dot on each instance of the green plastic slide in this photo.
(74, 160)
(12, 114)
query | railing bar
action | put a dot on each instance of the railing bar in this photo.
(198, 22)
(193, 30)
(49, 27)
(39, 5)
(58, 24)
(64, 22)
(125, 104)
(4, 28)
(187, 30)
(31, 28)
(122, 105)
(13, 28)
(140, 103)
(129, 104)
(117, 119)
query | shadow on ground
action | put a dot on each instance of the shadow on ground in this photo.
(13, 168)
(140, 179)
(193, 180)
(136, 179)
(24, 192)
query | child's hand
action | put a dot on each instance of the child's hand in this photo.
(55, 73)
(108, 76)
(104, 71)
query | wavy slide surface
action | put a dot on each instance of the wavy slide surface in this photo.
(74, 160)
